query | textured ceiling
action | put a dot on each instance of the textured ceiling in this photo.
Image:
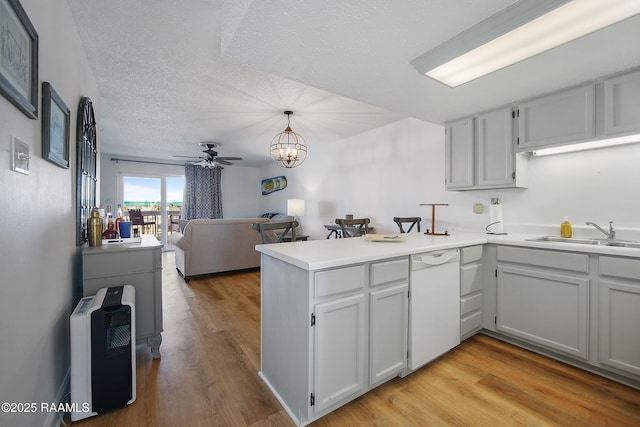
(173, 73)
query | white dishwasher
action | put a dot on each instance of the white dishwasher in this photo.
(434, 306)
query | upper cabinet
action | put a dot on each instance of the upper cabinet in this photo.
(622, 104)
(602, 109)
(480, 153)
(459, 148)
(490, 150)
(562, 117)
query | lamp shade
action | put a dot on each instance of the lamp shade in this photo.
(295, 207)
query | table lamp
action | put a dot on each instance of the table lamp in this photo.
(295, 208)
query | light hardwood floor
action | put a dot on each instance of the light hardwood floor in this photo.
(207, 376)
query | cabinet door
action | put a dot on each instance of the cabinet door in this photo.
(459, 154)
(495, 148)
(339, 370)
(619, 320)
(388, 334)
(470, 299)
(562, 117)
(544, 308)
(622, 109)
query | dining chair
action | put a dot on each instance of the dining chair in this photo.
(277, 231)
(136, 217)
(413, 220)
(353, 227)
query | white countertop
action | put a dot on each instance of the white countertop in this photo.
(147, 241)
(329, 253)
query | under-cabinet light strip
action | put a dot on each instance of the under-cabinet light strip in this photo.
(611, 142)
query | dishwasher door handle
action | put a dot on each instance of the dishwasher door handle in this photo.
(435, 258)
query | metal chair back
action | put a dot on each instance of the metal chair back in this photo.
(413, 220)
(268, 231)
(353, 227)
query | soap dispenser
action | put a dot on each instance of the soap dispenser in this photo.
(566, 230)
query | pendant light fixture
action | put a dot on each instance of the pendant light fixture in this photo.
(288, 149)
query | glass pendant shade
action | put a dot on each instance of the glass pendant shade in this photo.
(288, 149)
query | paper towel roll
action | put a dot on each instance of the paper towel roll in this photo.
(496, 224)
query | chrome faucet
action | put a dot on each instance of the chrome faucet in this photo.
(611, 234)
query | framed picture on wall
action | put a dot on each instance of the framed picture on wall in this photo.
(55, 127)
(18, 58)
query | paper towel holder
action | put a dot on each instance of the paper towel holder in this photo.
(495, 201)
(432, 231)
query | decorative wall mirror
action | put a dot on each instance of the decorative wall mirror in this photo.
(86, 167)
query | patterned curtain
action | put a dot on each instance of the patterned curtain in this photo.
(202, 194)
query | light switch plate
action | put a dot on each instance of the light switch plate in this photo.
(19, 156)
(478, 208)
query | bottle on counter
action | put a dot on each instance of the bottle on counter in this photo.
(118, 218)
(110, 232)
(107, 214)
(94, 228)
(566, 230)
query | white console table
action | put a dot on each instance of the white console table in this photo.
(136, 264)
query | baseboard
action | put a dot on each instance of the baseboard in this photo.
(53, 419)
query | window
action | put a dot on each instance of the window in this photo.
(159, 198)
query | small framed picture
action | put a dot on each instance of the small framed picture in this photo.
(18, 58)
(19, 156)
(55, 127)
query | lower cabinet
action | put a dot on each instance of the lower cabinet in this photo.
(619, 317)
(138, 265)
(329, 336)
(360, 340)
(543, 298)
(339, 369)
(471, 279)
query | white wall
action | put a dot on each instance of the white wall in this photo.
(240, 184)
(38, 258)
(390, 171)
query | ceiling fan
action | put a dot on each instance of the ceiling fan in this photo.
(210, 158)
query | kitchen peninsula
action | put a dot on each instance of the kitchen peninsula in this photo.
(332, 310)
(334, 317)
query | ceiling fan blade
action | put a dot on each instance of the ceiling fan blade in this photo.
(189, 157)
(222, 161)
(228, 158)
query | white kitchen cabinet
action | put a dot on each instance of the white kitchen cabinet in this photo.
(619, 319)
(339, 369)
(480, 153)
(495, 154)
(543, 298)
(471, 279)
(558, 118)
(622, 108)
(138, 265)
(330, 335)
(389, 318)
(460, 154)
(389, 314)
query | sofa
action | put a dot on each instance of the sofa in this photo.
(216, 245)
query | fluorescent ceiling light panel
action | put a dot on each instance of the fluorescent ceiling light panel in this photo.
(591, 145)
(518, 32)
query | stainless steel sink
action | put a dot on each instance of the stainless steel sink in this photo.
(565, 240)
(622, 244)
(586, 241)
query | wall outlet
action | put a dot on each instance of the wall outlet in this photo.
(478, 208)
